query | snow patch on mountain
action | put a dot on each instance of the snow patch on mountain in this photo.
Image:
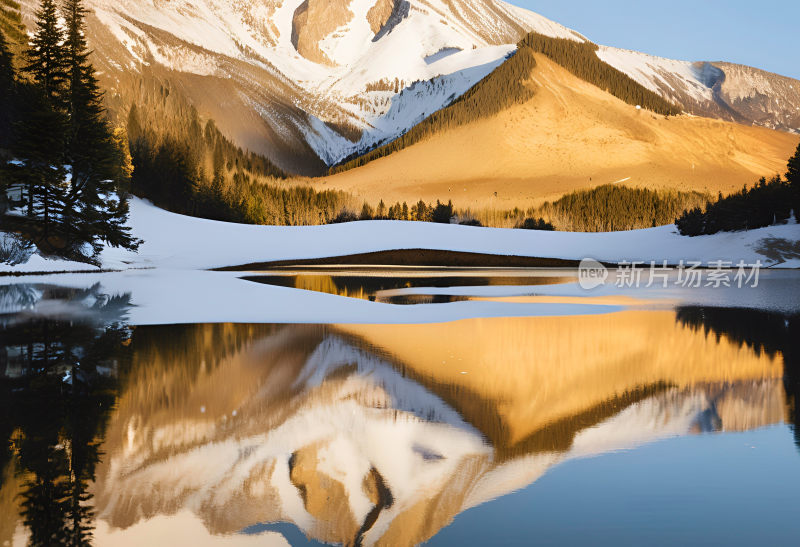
(387, 114)
(719, 90)
(667, 77)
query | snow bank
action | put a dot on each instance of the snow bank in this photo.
(174, 241)
(168, 283)
(181, 242)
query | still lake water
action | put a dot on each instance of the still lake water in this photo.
(659, 424)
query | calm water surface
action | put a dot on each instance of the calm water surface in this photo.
(663, 425)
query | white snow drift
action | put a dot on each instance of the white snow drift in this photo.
(173, 241)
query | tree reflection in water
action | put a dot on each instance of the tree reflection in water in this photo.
(763, 331)
(58, 383)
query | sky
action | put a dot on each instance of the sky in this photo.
(759, 33)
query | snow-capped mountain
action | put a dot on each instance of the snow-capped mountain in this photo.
(310, 82)
(304, 80)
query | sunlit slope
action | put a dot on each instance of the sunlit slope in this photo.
(569, 135)
(514, 377)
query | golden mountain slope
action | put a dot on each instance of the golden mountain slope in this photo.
(570, 135)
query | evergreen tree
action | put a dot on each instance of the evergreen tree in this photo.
(442, 213)
(37, 146)
(793, 174)
(793, 178)
(765, 204)
(93, 211)
(71, 164)
(177, 174)
(6, 66)
(46, 54)
(134, 126)
(535, 224)
(366, 212)
(7, 92)
(60, 424)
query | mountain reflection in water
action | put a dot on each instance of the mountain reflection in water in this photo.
(356, 434)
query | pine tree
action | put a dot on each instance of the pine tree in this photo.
(46, 54)
(93, 211)
(6, 64)
(37, 145)
(7, 92)
(366, 212)
(793, 174)
(7, 113)
(793, 177)
(134, 126)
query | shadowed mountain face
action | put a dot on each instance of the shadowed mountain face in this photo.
(759, 97)
(381, 435)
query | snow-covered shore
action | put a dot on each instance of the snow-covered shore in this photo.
(169, 280)
(178, 242)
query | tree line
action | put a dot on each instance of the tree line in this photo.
(611, 208)
(441, 213)
(605, 208)
(765, 332)
(420, 211)
(766, 203)
(61, 163)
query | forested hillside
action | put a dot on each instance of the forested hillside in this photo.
(503, 87)
(188, 166)
(611, 208)
(581, 59)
